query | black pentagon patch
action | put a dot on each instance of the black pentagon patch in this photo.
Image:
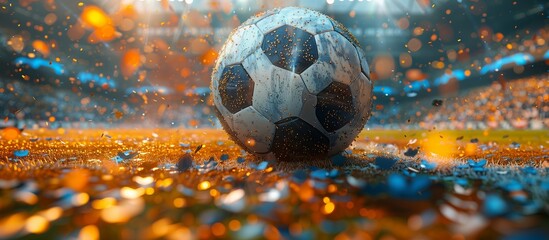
(334, 107)
(339, 28)
(296, 139)
(236, 88)
(290, 48)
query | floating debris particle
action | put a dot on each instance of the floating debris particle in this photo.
(385, 163)
(185, 163)
(411, 152)
(199, 147)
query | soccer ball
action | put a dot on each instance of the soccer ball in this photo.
(292, 84)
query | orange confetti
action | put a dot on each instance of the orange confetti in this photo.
(194, 123)
(131, 61)
(470, 149)
(185, 72)
(95, 17)
(499, 37)
(76, 32)
(414, 45)
(306, 192)
(105, 34)
(128, 11)
(425, 2)
(174, 20)
(10, 133)
(77, 179)
(166, 5)
(41, 47)
(384, 65)
(415, 74)
(209, 57)
(118, 114)
(180, 87)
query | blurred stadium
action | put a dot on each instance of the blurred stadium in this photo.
(108, 129)
(122, 63)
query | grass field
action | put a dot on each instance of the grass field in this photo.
(526, 137)
(181, 184)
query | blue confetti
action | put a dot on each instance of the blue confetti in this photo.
(529, 170)
(462, 166)
(484, 147)
(126, 155)
(511, 186)
(224, 157)
(228, 178)
(299, 176)
(21, 153)
(117, 159)
(319, 185)
(251, 231)
(480, 164)
(410, 188)
(545, 185)
(333, 173)
(428, 165)
(320, 174)
(409, 173)
(262, 166)
(167, 166)
(514, 145)
(209, 165)
(211, 216)
(355, 182)
(494, 205)
(185, 191)
(185, 145)
(397, 182)
(266, 210)
(462, 182)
